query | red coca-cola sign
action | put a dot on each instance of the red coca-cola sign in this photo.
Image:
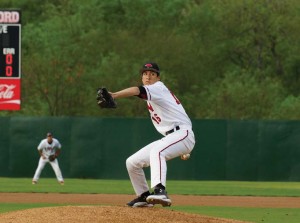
(10, 94)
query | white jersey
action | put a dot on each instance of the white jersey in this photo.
(49, 149)
(165, 109)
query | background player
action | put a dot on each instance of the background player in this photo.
(46, 148)
(169, 119)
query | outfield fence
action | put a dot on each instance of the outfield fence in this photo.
(98, 147)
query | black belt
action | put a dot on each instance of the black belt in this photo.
(172, 130)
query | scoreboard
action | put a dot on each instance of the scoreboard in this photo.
(10, 50)
(10, 59)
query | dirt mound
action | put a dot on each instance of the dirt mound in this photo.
(112, 214)
(113, 209)
(122, 199)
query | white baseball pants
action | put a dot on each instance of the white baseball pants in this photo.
(155, 155)
(55, 167)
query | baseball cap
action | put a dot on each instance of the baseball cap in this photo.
(150, 66)
(49, 134)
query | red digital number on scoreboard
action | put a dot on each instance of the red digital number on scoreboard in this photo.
(9, 69)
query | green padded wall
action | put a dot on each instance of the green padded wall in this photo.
(279, 151)
(98, 148)
(242, 150)
(4, 146)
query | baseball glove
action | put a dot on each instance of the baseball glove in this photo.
(52, 158)
(104, 99)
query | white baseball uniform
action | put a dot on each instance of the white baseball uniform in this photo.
(167, 114)
(47, 150)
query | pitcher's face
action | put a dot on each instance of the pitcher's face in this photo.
(150, 77)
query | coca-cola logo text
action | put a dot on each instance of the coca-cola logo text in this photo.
(6, 91)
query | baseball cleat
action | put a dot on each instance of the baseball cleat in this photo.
(159, 197)
(62, 183)
(34, 182)
(140, 201)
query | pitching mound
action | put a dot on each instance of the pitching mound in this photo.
(112, 214)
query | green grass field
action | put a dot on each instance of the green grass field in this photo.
(226, 188)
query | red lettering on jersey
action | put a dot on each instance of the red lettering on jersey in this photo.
(154, 117)
(150, 108)
(176, 99)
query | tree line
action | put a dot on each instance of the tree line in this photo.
(226, 59)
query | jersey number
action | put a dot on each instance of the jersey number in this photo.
(154, 117)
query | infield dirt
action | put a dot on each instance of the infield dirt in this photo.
(112, 208)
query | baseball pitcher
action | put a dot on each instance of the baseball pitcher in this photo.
(170, 119)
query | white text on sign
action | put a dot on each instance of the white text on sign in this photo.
(9, 17)
(3, 29)
(8, 51)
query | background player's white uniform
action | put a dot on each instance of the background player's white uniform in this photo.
(166, 113)
(48, 149)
